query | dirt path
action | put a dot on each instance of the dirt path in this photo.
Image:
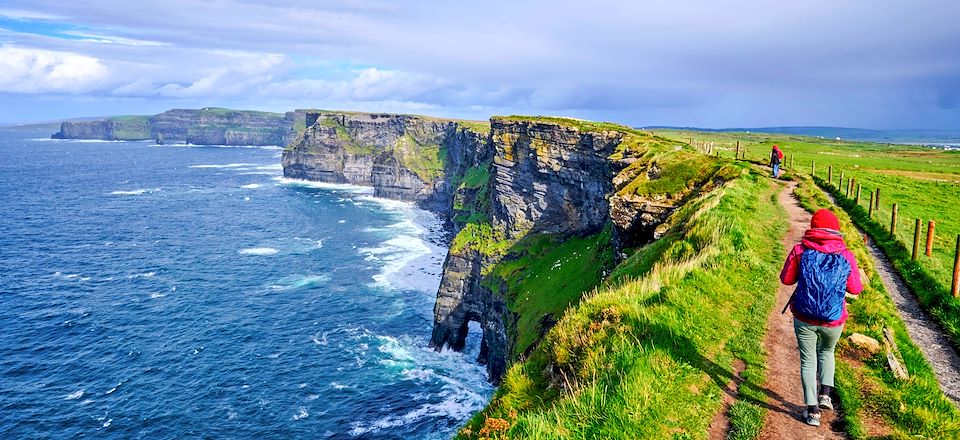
(923, 331)
(783, 388)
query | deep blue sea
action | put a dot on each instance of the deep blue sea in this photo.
(191, 292)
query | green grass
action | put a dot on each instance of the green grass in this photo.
(849, 155)
(481, 237)
(868, 392)
(350, 145)
(480, 127)
(227, 111)
(579, 124)
(132, 127)
(921, 198)
(681, 171)
(646, 356)
(546, 274)
(425, 160)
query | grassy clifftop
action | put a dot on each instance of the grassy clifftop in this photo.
(646, 354)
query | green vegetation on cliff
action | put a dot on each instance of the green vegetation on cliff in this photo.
(647, 356)
(131, 128)
(543, 275)
(425, 160)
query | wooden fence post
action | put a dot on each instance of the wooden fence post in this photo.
(792, 158)
(877, 198)
(830, 174)
(893, 221)
(916, 241)
(870, 208)
(930, 238)
(858, 194)
(840, 183)
(955, 288)
(813, 168)
(738, 148)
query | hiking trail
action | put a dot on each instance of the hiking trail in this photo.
(783, 419)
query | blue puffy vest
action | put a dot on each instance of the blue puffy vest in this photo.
(822, 286)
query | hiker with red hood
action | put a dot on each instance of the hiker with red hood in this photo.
(775, 157)
(824, 271)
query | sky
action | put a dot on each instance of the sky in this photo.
(883, 64)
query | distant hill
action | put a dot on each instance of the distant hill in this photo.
(860, 134)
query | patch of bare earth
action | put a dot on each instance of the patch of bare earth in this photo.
(720, 425)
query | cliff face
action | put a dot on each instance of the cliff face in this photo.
(100, 130)
(403, 157)
(548, 178)
(529, 195)
(208, 126)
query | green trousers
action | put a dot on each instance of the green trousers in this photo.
(816, 344)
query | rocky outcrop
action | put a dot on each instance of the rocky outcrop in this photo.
(550, 177)
(403, 157)
(99, 130)
(207, 126)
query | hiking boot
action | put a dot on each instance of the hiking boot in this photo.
(825, 402)
(812, 419)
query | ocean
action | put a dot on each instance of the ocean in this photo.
(182, 291)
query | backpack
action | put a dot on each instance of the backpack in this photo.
(775, 157)
(822, 286)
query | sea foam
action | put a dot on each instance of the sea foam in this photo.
(135, 192)
(258, 251)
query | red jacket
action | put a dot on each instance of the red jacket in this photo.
(826, 241)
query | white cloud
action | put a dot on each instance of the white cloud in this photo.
(23, 14)
(106, 39)
(24, 70)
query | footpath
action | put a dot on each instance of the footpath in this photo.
(784, 392)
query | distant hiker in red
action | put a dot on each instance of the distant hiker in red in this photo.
(824, 270)
(775, 157)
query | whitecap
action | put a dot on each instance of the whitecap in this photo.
(250, 186)
(156, 295)
(339, 386)
(135, 192)
(302, 414)
(107, 423)
(74, 395)
(324, 185)
(258, 251)
(229, 165)
(112, 390)
(397, 253)
(299, 282)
